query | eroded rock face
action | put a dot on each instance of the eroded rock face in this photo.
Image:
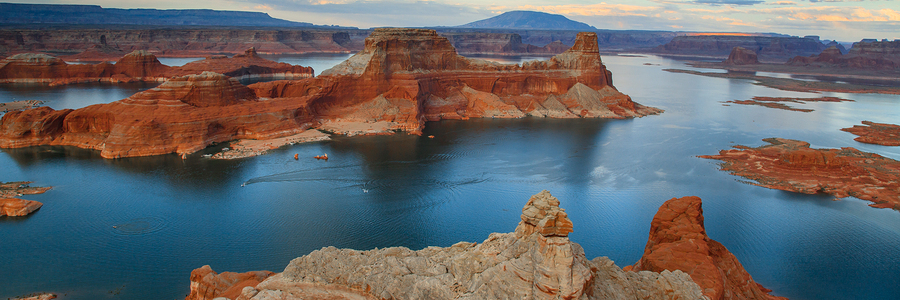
(872, 55)
(183, 115)
(678, 241)
(876, 133)
(401, 79)
(206, 284)
(421, 69)
(741, 56)
(537, 261)
(792, 165)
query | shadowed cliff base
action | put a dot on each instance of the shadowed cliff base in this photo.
(536, 261)
(792, 165)
(403, 78)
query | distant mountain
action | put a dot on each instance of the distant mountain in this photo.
(522, 19)
(13, 13)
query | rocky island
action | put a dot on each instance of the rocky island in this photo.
(776, 102)
(536, 261)
(876, 133)
(14, 207)
(792, 165)
(402, 79)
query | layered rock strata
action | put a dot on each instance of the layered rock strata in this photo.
(876, 133)
(183, 115)
(792, 165)
(206, 284)
(870, 55)
(678, 241)
(537, 261)
(403, 78)
(140, 66)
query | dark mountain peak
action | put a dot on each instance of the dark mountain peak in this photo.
(523, 19)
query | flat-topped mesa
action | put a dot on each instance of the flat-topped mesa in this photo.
(404, 77)
(182, 115)
(537, 261)
(678, 241)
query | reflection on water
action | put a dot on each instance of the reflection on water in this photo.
(146, 222)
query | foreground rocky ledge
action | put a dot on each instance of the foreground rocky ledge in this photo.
(792, 165)
(403, 78)
(537, 261)
(876, 133)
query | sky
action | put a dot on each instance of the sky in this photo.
(842, 20)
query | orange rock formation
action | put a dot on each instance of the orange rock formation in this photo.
(791, 165)
(140, 66)
(402, 78)
(678, 241)
(876, 133)
(17, 207)
(206, 284)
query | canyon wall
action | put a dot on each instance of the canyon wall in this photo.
(401, 79)
(767, 48)
(870, 55)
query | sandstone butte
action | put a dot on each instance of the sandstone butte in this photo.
(792, 165)
(873, 55)
(140, 66)
(678, 241)
(876, 133)
(14, 207)
(536, 261)
(401, 79)
(741, 56)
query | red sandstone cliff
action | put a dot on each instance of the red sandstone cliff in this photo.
(183, 115)
(402, 78)
(140, 66)
(678, 241)
(406, 76)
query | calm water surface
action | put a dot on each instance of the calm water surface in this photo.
(173, 215)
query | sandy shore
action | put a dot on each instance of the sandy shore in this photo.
(249, 148)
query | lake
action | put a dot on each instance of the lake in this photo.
(134, 228)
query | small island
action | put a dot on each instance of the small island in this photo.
(14, 207)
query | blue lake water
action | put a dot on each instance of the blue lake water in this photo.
(173, 215)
